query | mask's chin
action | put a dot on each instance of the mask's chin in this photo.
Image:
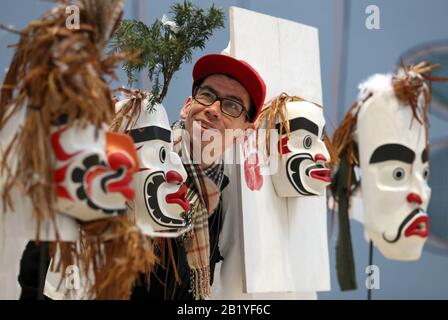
(317, 177)
(404, 242)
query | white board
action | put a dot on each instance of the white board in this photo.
(285, 241)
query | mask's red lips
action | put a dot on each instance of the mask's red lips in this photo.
(179, 198)
(419, 227)
(321, 174)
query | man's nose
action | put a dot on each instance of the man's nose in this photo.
(174, 177)
(213, 112)
(320, 157)
(414, 198)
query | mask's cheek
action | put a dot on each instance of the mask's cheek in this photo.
(152, 155)
(390, 176)
(385, 187)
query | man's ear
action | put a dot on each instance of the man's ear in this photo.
(185, 109)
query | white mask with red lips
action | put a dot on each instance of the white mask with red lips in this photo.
(93, 171)
(301, 170)
(394, 172)
(160, 203)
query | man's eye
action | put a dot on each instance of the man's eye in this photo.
(231, 105)
(205, 94)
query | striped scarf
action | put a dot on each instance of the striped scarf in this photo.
(203, 195)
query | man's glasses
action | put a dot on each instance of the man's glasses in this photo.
(207, 97)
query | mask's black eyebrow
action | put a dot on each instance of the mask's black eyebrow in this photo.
(425, 155)
(300, 123)
(150, 133)
(392, 151)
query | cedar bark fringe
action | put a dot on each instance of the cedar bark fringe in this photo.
(59, 72)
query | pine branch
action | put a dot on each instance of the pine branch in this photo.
(167, 44)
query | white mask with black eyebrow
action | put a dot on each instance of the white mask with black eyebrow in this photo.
(394, 168)
(160, 201)
(302, 170)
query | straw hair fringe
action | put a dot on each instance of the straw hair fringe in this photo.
(276, 109)
(49, 77)
(127, 116)
(118, 253)
(59, 72)
(111, 256)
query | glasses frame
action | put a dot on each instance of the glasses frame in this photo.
(220, 99)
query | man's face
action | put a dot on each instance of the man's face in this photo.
(394, 173)
(94, 170)
(302, 170)
(159, 183)
(202, 121)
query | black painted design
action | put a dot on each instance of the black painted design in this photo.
(401, 227)
(150, 133)
(300, 123)
(425, 155)
(151, 186)
(293, 172)
(392, 151)
(78, 177)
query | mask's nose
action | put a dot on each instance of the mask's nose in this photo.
(174, 177)
(322, 154)
(414, 198)
(320, 157)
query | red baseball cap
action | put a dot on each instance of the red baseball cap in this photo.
(237, 69)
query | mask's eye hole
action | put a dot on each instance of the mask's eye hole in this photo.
(398, 174)
(162, 154)
(307, 142)
(426, 173)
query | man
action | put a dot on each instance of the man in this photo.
(227, 94)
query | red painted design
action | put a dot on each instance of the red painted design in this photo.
(59, 151)
(59, 177)
(123, 186)
(419, 227)
(119, 159)
(283, 147)
(414, 198)
(63, 193)
(252, 174)
(179, 197)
